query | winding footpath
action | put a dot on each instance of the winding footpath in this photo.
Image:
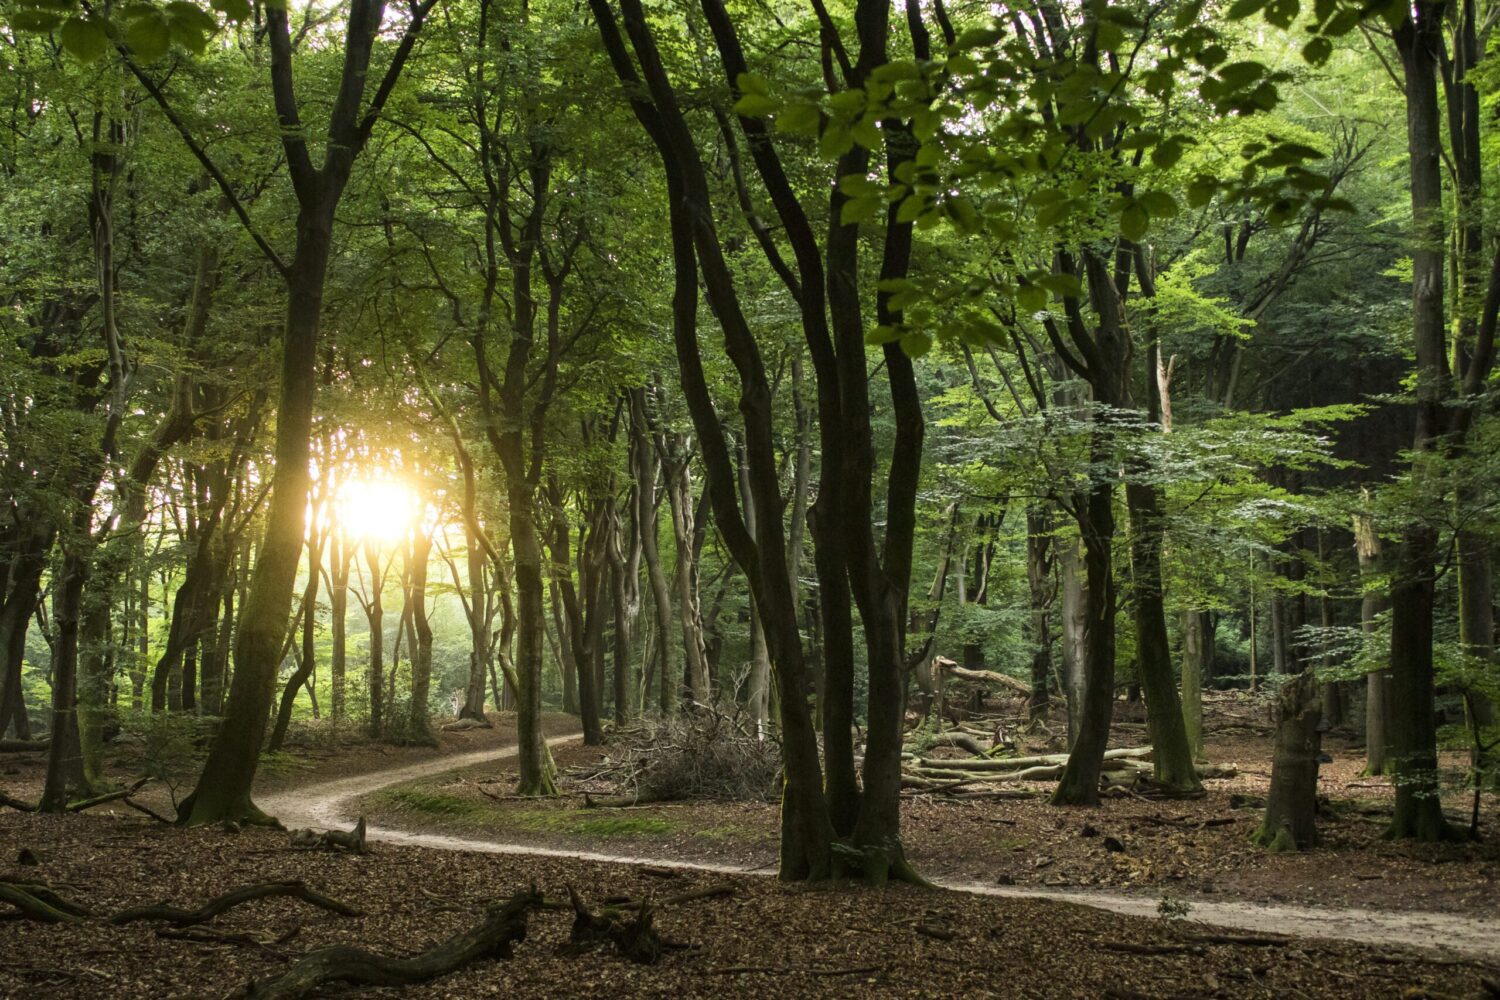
(328, 805)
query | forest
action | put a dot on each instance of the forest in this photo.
(700, 497)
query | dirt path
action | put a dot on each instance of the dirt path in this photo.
(325, 804)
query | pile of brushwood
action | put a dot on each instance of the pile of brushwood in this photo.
(703, 754)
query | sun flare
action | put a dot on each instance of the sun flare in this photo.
(375, 510)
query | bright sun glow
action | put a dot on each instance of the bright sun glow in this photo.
(378, 510)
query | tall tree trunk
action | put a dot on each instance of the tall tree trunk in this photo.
(1172, 755)
(1419, 814)
(223, 790)
(1079, 784)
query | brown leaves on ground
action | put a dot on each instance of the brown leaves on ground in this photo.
(765, 939)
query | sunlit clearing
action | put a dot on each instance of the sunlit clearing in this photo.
(380, 510)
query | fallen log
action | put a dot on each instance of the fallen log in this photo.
(115, 796)
(960, 740)
(464, 725)
(24, 746)
(352, 841)
(503, 926)
(1013, 763)
(987, 677)
(81, 804)
(219, 904)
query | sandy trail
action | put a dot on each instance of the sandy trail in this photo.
(328, 804)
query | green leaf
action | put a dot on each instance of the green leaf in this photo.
(916, 344)
(798, 119)
(1134, 221)
(752, 83)
(1158, 204)
(1031, 298)
(149, 37)
(861, 209)
(1202, 190)
(84, 38)
(34, 20)
(756, 106)
(235, 10)
(1317, 51)
(1242, 9)
(835, 141)
(866, 133)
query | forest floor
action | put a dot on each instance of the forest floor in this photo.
(1195, 850)
(824, 941)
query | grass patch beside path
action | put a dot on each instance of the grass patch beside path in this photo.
(474, 813)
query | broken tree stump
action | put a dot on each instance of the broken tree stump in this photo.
(636, 939)
(503, 927)
(1291, 806)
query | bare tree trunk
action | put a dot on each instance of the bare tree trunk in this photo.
(338, 625)
(1079, 784)
(1192, 678)
(645, 465)
(1041, 582)
(375, 613)
(419, 551)
(758, 683)
(1075, 630)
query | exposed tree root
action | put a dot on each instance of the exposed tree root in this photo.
(503, 926)
(38, 902)
(11, 803)
(219, 904)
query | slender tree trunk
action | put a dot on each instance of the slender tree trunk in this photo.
(300, 675)
(15, 619)
(1079, 784)
(1040, 560)
(1193, 640)
(338, 624)
(1075, 631)
(1476, 612)
(1173, 754)
(646, 467)
(376, 615)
